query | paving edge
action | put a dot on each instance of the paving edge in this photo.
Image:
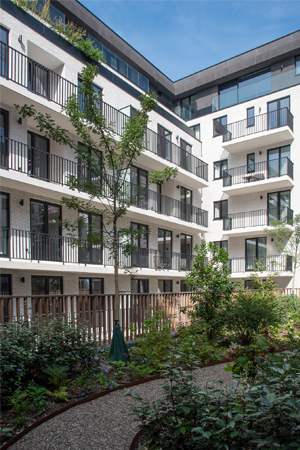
(17, 437)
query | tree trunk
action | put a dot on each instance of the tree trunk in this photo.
(116, 271)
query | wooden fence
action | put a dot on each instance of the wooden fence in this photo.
(96, 311)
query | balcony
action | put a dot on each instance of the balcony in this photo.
(274, 174)
(276, 263)
(45, 166)
(252, 222)
(37, 247)
(42, 81)
(267, 129)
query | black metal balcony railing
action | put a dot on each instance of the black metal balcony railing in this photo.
(275, 263)
(48, 167)
(259, 171)
(26, 72)
(262, 217)
(28, 245)
(264, 122)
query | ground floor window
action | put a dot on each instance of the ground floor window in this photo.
(5, 289)
(184, 287)
(91, 286)
(165, 286)
(140, 286)
(43, 285)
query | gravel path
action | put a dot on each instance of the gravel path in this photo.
(101, 424)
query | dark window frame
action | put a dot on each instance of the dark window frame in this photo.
(4, 68)
(141, 280)
(222, 214)
(256, 248)
(297, 59)
(250, 119)
(250, 165)
(4, 139)
(164, 285)
(46, 204)
(90, 280)
(194, 128)
(221, 162)
(220, 244)
(218, 120)
(47, 283)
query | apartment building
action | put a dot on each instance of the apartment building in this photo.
(231, 130)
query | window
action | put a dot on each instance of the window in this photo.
(186, 197)
(188, 107)
(219, 126)
(256, 251)
(196, 130)
(139, 184)
(250, 117)
(164, 145)
(220, 209)
(97, 91)
(139, 258)
(164, 259)
(165, 286)
(42, 285)
(3, 51)
(90, 252)
(46, 231)
(91, 286)
(219, 167)
(186, 250)
(38, 156)
(278, 113)
(278, 161)
(279, 206)
(250, 162)
(3, 138)
(184, 287)
(139, 286)
(185, 155)
(5, 289)
(222, 244)
(4, 225)
(298, 65)
(38, 79)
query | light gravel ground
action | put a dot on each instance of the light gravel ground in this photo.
(104, 423)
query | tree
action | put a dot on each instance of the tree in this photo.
(287, 240)
(103, 165)
(210, 279)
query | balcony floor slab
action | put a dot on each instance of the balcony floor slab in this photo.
(259, 186)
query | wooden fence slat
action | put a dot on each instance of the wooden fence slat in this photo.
(94, 311)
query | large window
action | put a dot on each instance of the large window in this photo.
(278, 112)
(38, 79)
(188, 107)
(186, 250)
(139, 184)
(139, 257)
(97, 90)
(164, 259)
(5, 289)
(4, 224)
(222, 244)
(38, 156)
(298, 65)
(90, 250)
(278, 159)
(250, 117)
(186, 200)
(219, 167)
(42, 285)
(165, 286)
(256, 252)
(46, 231)
(220, 209)
(278, 206)
(196, 130)
(3, 138)
(185, 155)
(250, 162)
(164, 145)
(3, 51)
(219, 126)
(91, 286)
(184, 287)
(139, 286)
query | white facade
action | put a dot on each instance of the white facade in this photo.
(246, 192)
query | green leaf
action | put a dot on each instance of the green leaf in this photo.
(206, 434)
(186, 409)
(182, 430)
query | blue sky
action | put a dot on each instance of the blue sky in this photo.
(181, 37)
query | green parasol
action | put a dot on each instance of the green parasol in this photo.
(118, 349)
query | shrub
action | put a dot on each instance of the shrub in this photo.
(251, 312)
(261, 414)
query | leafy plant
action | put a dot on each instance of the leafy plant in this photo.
(56, 375)
(210, 279)
(61, 394)
(5, 433)
(251, 312)
(140, 370)
(39, 397)
(118, 368)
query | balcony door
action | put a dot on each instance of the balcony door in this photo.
(38, 156)
(278, 113)
(3, 52)
(38, 79)
(164, 260)
(278, 161)
(185, 204)
(256, 251)
(46, 231)
(4, 223)
(139, 184)
(90, 251)
(186, 250)
(3, 138)
(165, 286)
(278, 206)
(164, 145)
(185, 155)
(139, 257)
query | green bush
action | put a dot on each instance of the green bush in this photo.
(251, 312)
(263, 413)
(26, 350)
